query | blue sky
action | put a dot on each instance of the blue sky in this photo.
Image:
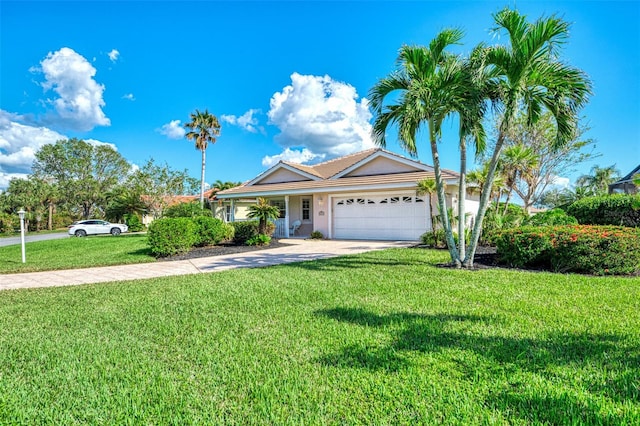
(289, 80)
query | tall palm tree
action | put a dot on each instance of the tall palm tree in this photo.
(430, 84)
(599, 179)
(532, 79)
(204, 128)
(516, 162)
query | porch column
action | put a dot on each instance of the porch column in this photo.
(233, 211)
(286, 216)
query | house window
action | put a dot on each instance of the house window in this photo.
(281, 205)
(227, 213)
(306, 209)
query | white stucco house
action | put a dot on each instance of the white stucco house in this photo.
(368, 195)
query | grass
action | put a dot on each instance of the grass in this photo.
(71, 253)
(379, 338)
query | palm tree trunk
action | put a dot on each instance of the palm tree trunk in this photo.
(484, 202)
(50, 220)
(202, 180)
(462, 194)
(451, 244)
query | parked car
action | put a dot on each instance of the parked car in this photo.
(93, 226)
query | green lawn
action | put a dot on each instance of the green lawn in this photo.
(379, 338)
(70, 253)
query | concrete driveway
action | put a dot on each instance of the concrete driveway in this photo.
(294, 251)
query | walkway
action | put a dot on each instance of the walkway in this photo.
(294, 251)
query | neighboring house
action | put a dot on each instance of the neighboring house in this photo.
(625, 185)
(366, 195)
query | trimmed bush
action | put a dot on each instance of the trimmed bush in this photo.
(600, 250)
(244, 231)
(551, 218)
(618, 209)
(259, 240)
(171, 236)
(211, 231)
(133, 222)
(317, 235)
(191, 209)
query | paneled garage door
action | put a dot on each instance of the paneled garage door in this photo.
(382, 217)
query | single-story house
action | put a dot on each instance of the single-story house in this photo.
(367, 195)
(625, 185)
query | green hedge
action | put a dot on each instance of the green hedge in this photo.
(190, 209)
(211, 231)
(244, 231)
(618, 209)
(551, 218)
(601, 250)
(171, 236)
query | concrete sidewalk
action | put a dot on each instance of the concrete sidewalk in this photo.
(294, 251)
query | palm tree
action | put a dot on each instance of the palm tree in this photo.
(263, 211)
(599, 179)
(430, 84)
(204, 128)
(427, 187)
(532, 79)
(516, 162)
(636, 179)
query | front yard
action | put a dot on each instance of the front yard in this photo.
(380, 338)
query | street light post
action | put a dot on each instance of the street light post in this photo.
(21, 214)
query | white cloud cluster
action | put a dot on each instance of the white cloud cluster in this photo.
(246, 121)
(18, 145)
(293, 156)
(79, 103)
(172, 130)
(321, 115)
(113, 55)
(129, 96)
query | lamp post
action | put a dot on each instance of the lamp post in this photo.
(21, 214)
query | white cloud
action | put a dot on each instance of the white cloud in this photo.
(293, 156)
(113, 55)
(561, 182)
(129, 96)
(321, 115)
(79, 103)
(246, 121)
(18, 145)
(6, 177)
(96, 142)
(172, 130)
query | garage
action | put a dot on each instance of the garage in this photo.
(400, 216)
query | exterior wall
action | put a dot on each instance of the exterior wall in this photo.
(381, 166)
(282, 175)
(321, 212)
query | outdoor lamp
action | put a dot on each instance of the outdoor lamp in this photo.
(21, 213)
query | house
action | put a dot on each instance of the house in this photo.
(367, 195)
(625, 185)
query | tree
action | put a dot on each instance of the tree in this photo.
(157, 185)
(204, 128)
(263, 211)
(431, 84)
(84, 173)
(531, 79)
(516, 164)
(597, 182)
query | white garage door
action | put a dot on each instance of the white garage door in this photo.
(381, 217)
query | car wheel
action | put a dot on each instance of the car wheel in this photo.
(81, 233)
(115, 231)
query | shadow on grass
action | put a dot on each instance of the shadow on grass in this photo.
(411, 332)
(355, 261)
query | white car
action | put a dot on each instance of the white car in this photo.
(94, 226)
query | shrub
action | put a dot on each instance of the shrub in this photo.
(550, 218)
(618, 209)
(171, 236)
(133, 222)
(435, 238)
(597, 250)
(211, 231)
(259, 240)
(317, 235)
(496, 220)
(244, 231)
(8, 223)
(191, 209)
